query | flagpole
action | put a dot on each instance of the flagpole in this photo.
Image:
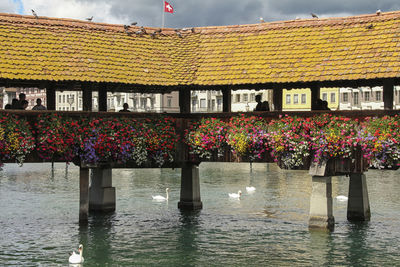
(163, 14)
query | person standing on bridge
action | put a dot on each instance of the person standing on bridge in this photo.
(126, 108)
(39, 105)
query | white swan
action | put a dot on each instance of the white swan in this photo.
(342, 198)
(77, 258)
(250, 189)
(234, 195)
(161, 198)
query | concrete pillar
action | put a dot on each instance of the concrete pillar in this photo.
(83, 195)
(321, 213)
(190, 188)
(102, 194)
(358, 203)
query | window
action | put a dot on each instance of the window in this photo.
(303, 98)
(143, 102)
(59, 98)
(73, 108)
(252, 97)
(366, 96)
(378, 96)
(194, 102)
(238, 98)
(287, 99)
(345, 97)
(245, 97)
(169, 102)
(355, 98)
(202, 103)
(295, 99)
(63, 98)
(325, 96)
(219, 102)
(333, 98)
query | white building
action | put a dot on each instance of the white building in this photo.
(366, 98)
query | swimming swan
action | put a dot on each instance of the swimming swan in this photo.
(250, 189)
(234, 195)
(161, 198)
(77, 258)
(342, 198)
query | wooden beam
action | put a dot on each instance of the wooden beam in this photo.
(51, 97)
(102, 93)
(226, 100)
(83, 195)
(87, 96)
(277, 98)
(315, 95)
(388, 91)
(184, 100)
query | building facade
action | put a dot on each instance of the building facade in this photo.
(300, 99)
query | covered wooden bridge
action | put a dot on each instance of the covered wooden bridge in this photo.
(65, 54)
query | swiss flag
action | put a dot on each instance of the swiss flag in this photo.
(168, 8)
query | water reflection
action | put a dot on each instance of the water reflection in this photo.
(187, 237)
(96, 237)
(359, 252)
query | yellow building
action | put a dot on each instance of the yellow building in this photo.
(300, 99)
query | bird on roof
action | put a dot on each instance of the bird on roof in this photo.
(34, 14)
(133, 23)
(143, 29)
(370, 26)
(314, 15)
(89, 19)
(179, 33)
(192, 29)
(158, 30)
(262, 20)
(126, 27)
(378, 12)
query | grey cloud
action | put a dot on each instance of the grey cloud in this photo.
(189, 13)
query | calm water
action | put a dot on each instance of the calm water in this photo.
(39, 215)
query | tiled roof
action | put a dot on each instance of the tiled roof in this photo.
(351, 48)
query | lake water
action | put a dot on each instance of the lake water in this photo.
(39, 215)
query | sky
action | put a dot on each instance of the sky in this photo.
(191, 13)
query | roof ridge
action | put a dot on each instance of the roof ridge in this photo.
(118, 27)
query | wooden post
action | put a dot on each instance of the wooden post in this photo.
(102, 96)
(184, 100)
(83, 195)
(226, 100)
(388, 88)
(51, 97)
(315, 95)
(87, 96)
(277, 98)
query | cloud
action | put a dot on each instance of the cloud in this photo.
(197, 13)
(9, 6)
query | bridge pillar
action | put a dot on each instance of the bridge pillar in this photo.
(190, 188)
(358, 203)
(321, 212)
(101, 194)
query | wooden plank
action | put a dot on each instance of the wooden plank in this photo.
(184, 100)
(87, 96)
(102, 92)
(51, 97)
(388, 88)
(83, 195)
(277, 98)
(315, 95)
(226, 100)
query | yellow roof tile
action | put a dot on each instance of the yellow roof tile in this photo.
(359, 47)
